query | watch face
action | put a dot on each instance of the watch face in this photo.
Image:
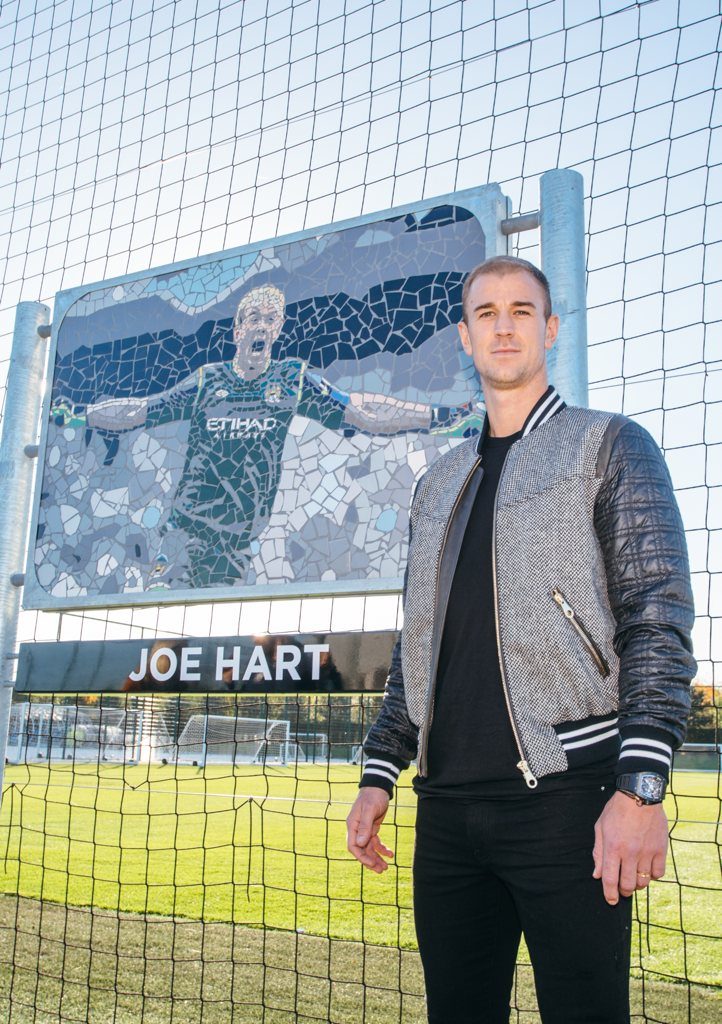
(651, 787)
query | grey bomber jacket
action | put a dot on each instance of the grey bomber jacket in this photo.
(593, 598)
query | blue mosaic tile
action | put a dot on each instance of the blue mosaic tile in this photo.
(259, 418)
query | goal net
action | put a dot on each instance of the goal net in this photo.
(49, 731)
(209, 738)
(138, 134)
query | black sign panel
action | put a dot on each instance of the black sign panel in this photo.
(301, 663)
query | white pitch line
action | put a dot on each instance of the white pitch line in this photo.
(224, 796)
(258, 798)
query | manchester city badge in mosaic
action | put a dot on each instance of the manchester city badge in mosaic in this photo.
(253, 424)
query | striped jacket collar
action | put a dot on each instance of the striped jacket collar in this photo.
(545, 408)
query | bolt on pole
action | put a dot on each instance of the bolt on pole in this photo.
(17, 468)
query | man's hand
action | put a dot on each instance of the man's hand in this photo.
(630, 846)
(362, 828)
(64, 414)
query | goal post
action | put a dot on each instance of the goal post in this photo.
(208, 739)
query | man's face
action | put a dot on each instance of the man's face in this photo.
(507, 335)
(257, 326)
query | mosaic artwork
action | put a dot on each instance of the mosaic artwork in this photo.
(259, 419)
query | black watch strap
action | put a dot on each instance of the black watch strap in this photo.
(643, 787)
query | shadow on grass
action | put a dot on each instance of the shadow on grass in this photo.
(63, 964)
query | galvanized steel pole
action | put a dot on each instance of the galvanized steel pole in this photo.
(19, 430)
(564, 263)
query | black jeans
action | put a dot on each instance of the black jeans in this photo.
(486, 871)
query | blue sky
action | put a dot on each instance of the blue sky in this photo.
(136, 134)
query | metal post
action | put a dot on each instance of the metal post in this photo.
(564, 263)
(500, 241)
(19, 428)
(204, 745)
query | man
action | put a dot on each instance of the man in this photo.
(547, 617)
(240, 413)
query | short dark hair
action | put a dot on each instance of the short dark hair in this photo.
(501, 265)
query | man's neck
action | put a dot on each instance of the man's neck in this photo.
(508, 409)
(246, 372)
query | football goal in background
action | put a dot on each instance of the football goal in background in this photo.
(135, 885)
(176, 863)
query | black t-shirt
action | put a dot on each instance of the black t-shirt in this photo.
(472, 750)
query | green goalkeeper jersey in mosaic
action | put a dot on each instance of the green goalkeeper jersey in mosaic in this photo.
(235, 446)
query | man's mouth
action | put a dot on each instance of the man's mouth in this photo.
(258, 346)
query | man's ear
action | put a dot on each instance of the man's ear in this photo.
(464, 335)
(552, 331)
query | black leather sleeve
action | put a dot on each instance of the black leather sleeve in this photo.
(645, 554)
(392, 741)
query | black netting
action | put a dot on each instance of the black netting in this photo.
(137, 885)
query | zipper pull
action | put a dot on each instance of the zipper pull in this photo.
(562, 602)
(528, 774)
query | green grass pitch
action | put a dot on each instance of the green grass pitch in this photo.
(265, 849)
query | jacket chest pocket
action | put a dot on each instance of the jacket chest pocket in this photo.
(582, 632)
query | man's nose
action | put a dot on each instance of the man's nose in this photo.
(504, 324)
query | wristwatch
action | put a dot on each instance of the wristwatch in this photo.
(642, 787)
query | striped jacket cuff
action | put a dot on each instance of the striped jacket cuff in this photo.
(382, 772)
(645, 750)
(589, 740)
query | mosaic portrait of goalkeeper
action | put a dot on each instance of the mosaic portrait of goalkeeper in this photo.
(275, 441)
(240, 413)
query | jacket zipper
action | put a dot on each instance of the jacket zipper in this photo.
(522, 764)
(421, 760)
(584, 635)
